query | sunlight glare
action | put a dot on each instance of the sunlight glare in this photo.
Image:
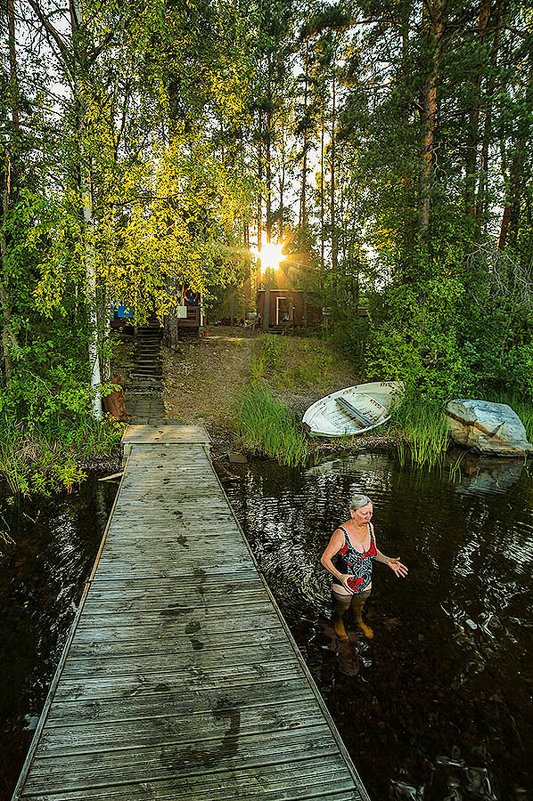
(271, 256)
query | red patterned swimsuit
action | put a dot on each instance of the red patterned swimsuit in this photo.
(356, 563)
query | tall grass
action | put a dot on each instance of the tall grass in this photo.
(46, 458)
(422, 426)
(423, 430)
(291, 363)
(266, 427)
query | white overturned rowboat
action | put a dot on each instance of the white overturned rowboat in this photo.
(354, 410)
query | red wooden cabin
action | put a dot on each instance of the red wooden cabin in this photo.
(290, 307)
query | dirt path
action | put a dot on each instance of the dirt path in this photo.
(203, 379)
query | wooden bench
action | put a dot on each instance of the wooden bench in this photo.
(359, 416)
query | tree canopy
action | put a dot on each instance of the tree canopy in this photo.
(148, 145)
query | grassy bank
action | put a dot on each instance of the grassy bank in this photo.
(46, 457)
(288, 373)
(282, 366)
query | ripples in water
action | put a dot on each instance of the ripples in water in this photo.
(435, 706)
(41, 580)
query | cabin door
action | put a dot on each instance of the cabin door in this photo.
(283, 311)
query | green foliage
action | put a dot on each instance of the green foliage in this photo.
(415, 337)
(120, 176)
(458, 333)
(266, 427)
(147, 164)
(45, 459)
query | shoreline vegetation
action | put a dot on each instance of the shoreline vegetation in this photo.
(262, 417)
(417, 429)
(58, 455)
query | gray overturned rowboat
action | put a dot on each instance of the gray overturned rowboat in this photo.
(354, 410)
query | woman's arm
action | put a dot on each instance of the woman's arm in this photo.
(334, 545)
(393, 562)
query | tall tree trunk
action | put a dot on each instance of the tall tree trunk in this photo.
(259, 198)
(247, 284)
(302, 221)
(9, 340)
(472, 139)
(407, 177)
(322, 199)
(260, 180)
(516, 181)
(268, 162)
(332, 172)
(13, 78)
(282, 200)
(76, 14)
(482, 188)
(433, 22)
(511, 194)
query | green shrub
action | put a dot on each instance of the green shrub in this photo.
(42, 457)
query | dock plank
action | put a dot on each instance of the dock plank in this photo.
(180, 679)
(312, 777)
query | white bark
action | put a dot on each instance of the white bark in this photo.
(90, 279)
(76, 10)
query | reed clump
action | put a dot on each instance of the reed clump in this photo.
(423, 430)
(266, 427)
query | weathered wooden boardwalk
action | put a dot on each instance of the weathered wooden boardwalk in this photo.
(180, 680)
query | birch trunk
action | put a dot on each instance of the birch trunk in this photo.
(76, 10)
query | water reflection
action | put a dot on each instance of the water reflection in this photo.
(488, 476)
(41, 579)
(435, 706)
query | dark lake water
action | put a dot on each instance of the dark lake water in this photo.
(42, 575)
(435, 707)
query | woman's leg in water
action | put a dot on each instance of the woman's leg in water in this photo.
(357, 602)
(341, 603)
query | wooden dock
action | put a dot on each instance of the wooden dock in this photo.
(180, 680)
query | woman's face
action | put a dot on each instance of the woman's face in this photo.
(363, 514)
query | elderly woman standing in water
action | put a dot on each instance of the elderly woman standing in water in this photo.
(348, 557)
